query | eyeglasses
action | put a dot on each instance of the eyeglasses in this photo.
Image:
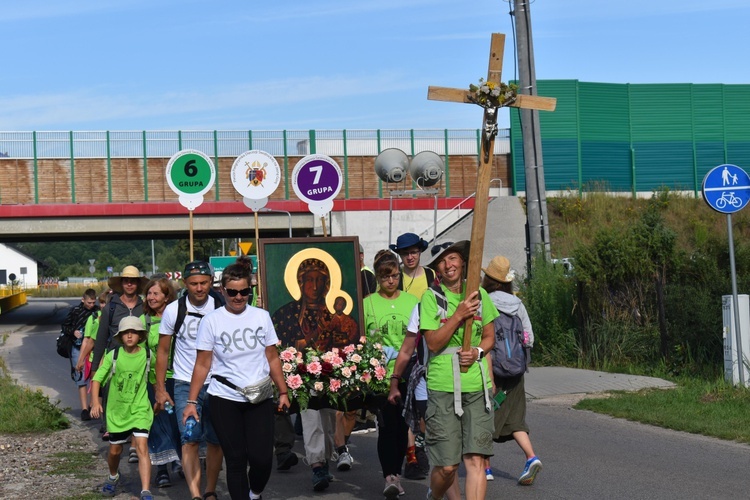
(393, 277)
(407, 253)
(233, 293)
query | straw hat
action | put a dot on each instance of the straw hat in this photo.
(115, 282)
(499, 270)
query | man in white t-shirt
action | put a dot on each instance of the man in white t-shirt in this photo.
(177, 350)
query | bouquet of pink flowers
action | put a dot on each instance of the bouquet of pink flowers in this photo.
(339, 375)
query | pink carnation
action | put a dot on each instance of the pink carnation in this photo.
(314, 368)
(380, 373)
(294, 382)
(337, 361)
(353, 368)
(349, 349)
(334, 385)
(286, 355)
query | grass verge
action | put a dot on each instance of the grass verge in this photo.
(78, 463)
(712, 408)
(23, 410)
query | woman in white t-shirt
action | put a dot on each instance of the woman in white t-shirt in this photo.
(237, 344)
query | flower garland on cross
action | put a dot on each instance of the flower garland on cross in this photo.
(491, 96)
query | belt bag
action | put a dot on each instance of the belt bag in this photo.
(254, 393)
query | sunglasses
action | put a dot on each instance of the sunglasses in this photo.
(233, 293)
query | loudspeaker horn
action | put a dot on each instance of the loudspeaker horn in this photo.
(391, 165)
(426, 168)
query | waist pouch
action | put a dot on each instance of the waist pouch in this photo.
(253, 393)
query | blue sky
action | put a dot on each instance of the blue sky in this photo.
(331, 64)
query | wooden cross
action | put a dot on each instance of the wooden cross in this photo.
(489, 130)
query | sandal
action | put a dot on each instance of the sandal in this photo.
(162, 479)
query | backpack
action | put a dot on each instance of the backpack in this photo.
(182, 312)
(510, 356)
(66, 340)
(429, 274)
(64, 345)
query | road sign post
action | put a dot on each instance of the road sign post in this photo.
(190, 174)
(726, 189)
(317, 180)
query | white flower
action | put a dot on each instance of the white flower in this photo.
(511, 275)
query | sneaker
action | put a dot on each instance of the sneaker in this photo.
(110, 486)
(85, 415)
(391, 488)
(146, 495)
(132, 456)
(400, 488)
(413, 471)
(488, 473)
(530, 470)
(344, 462)
(286, 461)
(319, 479)
(422, 460)
(162, 479)
(364, 427)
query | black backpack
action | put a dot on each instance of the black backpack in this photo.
(510, 357)
(64, 345)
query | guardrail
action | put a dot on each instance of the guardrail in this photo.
(10, 302)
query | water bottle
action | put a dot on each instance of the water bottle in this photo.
(169, 407)
(189, 426)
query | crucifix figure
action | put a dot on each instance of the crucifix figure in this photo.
(504, 96)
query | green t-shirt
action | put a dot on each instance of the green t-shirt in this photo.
(127, 402)
(153, 343)
(390, 318)
(439, 368)
(90, 329)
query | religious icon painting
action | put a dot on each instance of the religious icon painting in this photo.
(311, 287)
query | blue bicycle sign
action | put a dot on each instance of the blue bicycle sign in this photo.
(726, 189)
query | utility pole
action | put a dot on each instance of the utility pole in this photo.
(537, 226)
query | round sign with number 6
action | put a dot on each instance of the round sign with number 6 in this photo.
(190, 172)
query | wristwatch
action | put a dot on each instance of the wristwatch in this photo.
(481, 353)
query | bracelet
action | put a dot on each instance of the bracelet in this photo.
(191, 402)
(283, 393)
(396, 377)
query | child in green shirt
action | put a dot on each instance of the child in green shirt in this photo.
(128, 409)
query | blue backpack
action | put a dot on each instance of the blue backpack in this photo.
(510, 357)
